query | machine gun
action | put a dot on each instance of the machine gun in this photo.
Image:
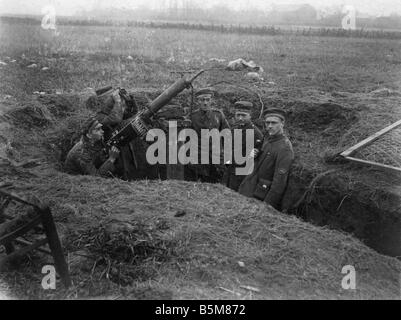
(138, 125)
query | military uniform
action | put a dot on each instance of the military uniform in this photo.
(210, 119)
(268, 180)
(86, 158)
(131, 163)
(230, 179)
(111, 113)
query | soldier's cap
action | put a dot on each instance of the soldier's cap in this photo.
(90, 125)
(205, 91)
(280, 113)
(103, 91)
(244, 106)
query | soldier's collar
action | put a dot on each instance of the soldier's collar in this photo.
(90, 144)
(275, 137)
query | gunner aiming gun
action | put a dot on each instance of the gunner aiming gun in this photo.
(138, 125)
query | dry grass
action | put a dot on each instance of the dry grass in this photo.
(305, 70)
(129, 235)
(92, 56)
(123, 239)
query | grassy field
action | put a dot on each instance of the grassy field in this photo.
(97, 55)
(328, 86)
(295, 67)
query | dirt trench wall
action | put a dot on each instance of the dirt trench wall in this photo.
(332, 201)
(371, 213)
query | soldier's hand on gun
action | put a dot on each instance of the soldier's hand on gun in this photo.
(254, 153)
(116, 96)
(113, 153)
(187, 123)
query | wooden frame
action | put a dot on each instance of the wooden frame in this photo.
(42, 217)
(176, 171)
(347, 154)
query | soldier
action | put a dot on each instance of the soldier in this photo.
(268, 180)
(87, 156)
(116, 107)
(243, 122)
(207, 117)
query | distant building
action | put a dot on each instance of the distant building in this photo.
(292, 14)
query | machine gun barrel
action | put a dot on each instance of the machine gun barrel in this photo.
(165, 97)
(137, 125)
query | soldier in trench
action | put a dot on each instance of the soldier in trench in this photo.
(242, 122)
(268, 180)
(116, 106)
(87, 157)
(207, 117)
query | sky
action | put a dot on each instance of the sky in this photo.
(69, 7)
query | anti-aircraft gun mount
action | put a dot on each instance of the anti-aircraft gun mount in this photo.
(138, 125)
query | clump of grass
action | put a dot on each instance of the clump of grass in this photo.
(61, 137)
(131, 229)
(131, 233)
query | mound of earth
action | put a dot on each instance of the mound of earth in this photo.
(317, 123)
(384, 92)
(192, 240)
(31, 115)
(171, 239)
(62, 105)
(366, 209)
(317, 116)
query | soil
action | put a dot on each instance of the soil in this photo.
(130, 239)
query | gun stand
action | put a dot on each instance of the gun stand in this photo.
(13, 228)
(175, 171)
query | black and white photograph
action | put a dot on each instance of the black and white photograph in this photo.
(200, 150)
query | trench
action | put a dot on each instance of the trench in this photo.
(369, 213)
(328, 197)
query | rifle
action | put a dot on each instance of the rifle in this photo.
(137, 126)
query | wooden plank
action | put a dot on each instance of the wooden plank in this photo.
(20, 231)
(5, 184)
(370, 139)
(375, 164)
(7, 216)
(175, 171)
(3, 207)
(14, 196)
(28, 243)
(55, 246)
(22, 252)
